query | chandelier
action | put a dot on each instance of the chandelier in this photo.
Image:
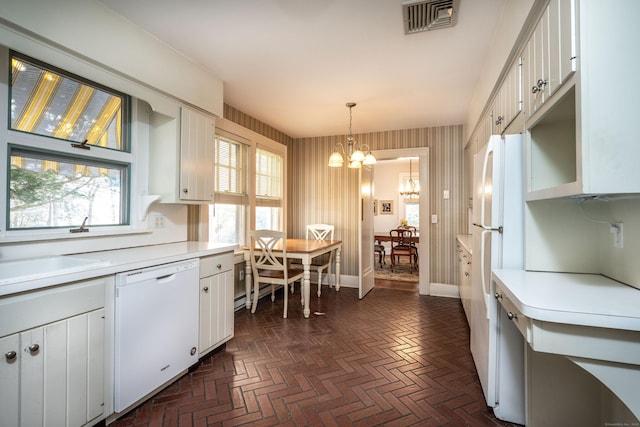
(410, 189)
(356, 155)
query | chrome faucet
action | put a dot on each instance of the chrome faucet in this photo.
(82, 228)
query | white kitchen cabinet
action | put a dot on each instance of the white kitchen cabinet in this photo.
(583, 139)
(52, 345)
(216, 301)
(181, 157)
(464, 279)
(507, 104)
(550, 54)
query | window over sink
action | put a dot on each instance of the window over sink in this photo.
(68, 149)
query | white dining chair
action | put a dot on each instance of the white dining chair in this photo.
(322, 262)
(269, 266)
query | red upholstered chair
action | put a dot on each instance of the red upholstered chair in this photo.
(401, 246)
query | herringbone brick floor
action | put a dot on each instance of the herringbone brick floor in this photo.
(394, 358)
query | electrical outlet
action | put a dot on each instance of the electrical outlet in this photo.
(616, 230)
(158, 221)
(445, 194)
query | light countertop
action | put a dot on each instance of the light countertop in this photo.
(568, 298)
(35, 273)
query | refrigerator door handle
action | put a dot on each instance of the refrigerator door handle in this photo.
(483, 191)
(484, 227)
(485, 293)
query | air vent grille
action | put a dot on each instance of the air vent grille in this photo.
(426, 15)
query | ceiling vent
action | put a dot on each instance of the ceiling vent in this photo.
(426, 15)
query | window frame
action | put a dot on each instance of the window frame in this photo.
(36, 143)
(254, 142)
(125, 101)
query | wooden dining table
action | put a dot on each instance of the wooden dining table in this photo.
(304, 250)
(385, 237)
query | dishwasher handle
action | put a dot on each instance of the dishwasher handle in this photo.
(158, 272)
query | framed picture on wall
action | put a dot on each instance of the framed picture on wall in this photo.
(386, 207)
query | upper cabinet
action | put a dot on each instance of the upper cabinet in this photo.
(550, 54)
(581, 100)
(181, 157)
(507, 104)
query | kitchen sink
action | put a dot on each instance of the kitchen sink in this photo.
(21, 270)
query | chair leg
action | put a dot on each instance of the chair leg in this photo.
(273, 292)
(286, 301)
(329, 278)
(319, 282)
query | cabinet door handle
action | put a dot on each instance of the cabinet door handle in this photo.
(185, 190)
(205, 289)
(33, 348)
(219, 266)
(540, 85)
(10, 356)
(498, 295)
(512, 316)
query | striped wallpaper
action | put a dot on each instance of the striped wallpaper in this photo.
(319, 194)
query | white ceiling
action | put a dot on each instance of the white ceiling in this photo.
(293, 64)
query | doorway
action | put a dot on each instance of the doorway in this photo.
(391, 220)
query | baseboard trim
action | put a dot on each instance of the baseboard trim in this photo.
(444, 290)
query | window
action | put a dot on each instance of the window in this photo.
(227, 218)
(249, 170)
(68, 150)
(412, 213)
(269, 190)
(45, 101)
(47, 190)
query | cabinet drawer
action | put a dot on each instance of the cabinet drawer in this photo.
(215, 264)
(26, 311)
(514, 315)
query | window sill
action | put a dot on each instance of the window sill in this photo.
(34, 236)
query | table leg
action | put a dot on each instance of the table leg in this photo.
(247, 283)
(338, 268)
(306, 289)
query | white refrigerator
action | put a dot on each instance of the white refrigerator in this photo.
(497, 242)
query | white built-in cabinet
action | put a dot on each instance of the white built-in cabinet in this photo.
(52, 344)
(581, 131)
(464, 278)
(507, 104)
(550, 54)
(181, 156)
(216, 301)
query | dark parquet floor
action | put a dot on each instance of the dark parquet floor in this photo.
(394, 358)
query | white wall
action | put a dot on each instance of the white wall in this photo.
(104, 48)
(89, 29)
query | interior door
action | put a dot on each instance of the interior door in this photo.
(366, 231)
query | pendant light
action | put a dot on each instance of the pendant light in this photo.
(411, 188)
(356, 155)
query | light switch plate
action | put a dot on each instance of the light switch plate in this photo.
(434, 219)
(445, 194)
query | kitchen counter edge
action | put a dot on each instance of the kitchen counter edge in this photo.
(120, 260)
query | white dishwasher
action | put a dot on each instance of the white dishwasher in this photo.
(156, 330)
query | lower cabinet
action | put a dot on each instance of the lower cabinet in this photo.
(464, 279)
(53, 373)
(216, 301)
